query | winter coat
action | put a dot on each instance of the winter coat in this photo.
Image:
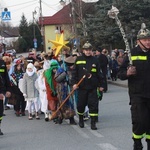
(139, 84)
(86, 65)
(28, 86)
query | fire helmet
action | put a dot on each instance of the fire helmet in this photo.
(143, 33)
(87, 45)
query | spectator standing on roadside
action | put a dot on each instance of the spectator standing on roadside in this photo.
(120, 58)
(103, 62)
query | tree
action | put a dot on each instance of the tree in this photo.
(24, 34)
(22, 44)
(104, 31)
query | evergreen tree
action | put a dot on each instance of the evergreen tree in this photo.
(24, 33)
(104, 31)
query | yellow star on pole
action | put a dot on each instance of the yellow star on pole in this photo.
(59, 44)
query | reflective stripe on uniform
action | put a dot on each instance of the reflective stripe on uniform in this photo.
(1, 118)
(80, 113)
(93, 70)
(138, 57)
(138, 136)
(147, 136)
(93, 115)
(2, 70)
(80, 62)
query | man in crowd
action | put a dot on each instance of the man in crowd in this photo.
(4, 86)
(138, 75)
(103, 62)
(87, 90)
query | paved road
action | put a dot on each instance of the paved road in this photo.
(114, 129)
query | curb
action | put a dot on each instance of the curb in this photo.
(118, 84)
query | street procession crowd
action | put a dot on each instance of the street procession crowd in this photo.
(72, 83)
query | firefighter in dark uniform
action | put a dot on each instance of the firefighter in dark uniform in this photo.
(138, 75)
(4, 86)
(87, 91)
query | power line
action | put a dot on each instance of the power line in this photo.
(50, 6)
(20, 4)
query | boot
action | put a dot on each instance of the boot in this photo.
(23, 113)
(137, 144)
(1, 133)
(30, 117)
(72, 121)
(81, 122)
(17, 113)
(148, 144)
(93, 123)
(46, 117)
(37, 116)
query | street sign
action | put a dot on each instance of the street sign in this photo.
(6, 16)
(35, 44)
(34, 40)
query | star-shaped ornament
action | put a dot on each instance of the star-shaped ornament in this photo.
(59, 43)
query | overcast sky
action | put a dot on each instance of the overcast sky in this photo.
(17, 7)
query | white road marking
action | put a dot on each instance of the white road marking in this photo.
(107, 146)
(79, 130)
(94, 132)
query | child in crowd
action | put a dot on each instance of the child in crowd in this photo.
(29, 90)
(42, 94)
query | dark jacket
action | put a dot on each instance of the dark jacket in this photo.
(139, 85)
(103, 62)
(87, 65)
(4, 79)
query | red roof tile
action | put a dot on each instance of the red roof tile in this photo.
(64, 15)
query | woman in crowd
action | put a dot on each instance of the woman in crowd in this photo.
(15, 76)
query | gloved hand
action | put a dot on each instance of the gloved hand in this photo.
(25, 95)
(131, 71)
(87, 73)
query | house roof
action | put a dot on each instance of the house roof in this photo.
(10, 32)
(64, 15)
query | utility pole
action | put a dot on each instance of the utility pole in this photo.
(75, 24)
(42, 28)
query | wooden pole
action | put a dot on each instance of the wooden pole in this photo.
(54, 114)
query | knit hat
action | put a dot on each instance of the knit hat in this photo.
(17, 61)
(143, 33)
(99, 49)
(30, 65)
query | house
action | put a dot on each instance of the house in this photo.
(66, 22)
(9, 35)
